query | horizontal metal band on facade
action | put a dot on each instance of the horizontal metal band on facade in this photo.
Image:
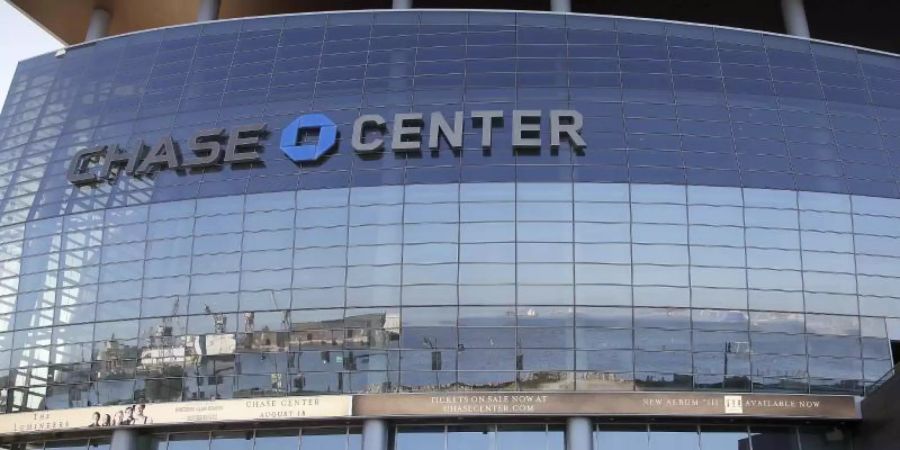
(493, 404)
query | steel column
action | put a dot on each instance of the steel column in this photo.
(375, 434)
(98, 26)
(795, 18)
(561, 5)
(208, 10)
(124, 439)
(579, 434)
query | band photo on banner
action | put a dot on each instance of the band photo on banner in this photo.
(131, 415)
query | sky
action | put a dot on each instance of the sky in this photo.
(20, 39)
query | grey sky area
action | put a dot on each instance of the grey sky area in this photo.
(20, 38)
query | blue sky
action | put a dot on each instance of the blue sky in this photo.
(20, 38)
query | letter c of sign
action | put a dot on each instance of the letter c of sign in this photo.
(308, 152)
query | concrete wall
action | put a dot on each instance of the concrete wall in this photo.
(880, 428)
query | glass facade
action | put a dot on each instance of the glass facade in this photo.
(494, 437)
(71, 444)
(732, 225)
(332, 438)
(719, 437)
(457, 286)
(480, 437)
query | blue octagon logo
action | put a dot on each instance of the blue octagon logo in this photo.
(291, 136)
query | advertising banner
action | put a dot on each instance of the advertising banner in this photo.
(463, 404)
(678, 404)
(215, 411)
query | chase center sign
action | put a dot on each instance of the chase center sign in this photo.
(242, 144)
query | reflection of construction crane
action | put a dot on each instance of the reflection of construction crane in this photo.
(163, 334)
(734, 347)
(282, 335)
(220, 320)
(286, 313)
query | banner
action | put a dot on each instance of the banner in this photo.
(678, 404)
(463, 404)
(215, 411)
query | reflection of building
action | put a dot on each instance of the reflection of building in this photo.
(116, 359)
(264, 341)
(375, 331)
(163, 348)
(513, 202)
(162, 356)
(212, 344)
(162, 335)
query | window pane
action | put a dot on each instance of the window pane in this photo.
(724, 438)
(323, 439)
(277, 440)
(188, 441)
(469, 437)
(515, 437)
(67, 445)
(824, 438)
(236, 440)
(674, 438)
(419, 438)
(774, 438)
(156, 442)
(556, 437)
(621, 437)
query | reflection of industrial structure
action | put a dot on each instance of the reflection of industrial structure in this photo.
(364, 331)
(114, 357)
(278, 355)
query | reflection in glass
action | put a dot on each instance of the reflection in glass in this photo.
(99, 444)
(469, 437)
(231, 440)
(157, 442)
(515, 437)
(323, 439)
(824, 438)
(556, 437)
(774, 438)
(621, 437)
(67, 445)
(724, 438)
(674, 438)
(277, 439)
(188, 441)
(201, 270)
(419, 438)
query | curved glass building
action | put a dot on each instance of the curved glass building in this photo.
(481, 230)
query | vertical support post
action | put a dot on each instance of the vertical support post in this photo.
(98, 26)
(208, 10)
(795, 18)
(579, 434)
(402, 4)
(124, 439)
(563, 6)
(375, 434)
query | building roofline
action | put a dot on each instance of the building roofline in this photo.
(507, 11)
